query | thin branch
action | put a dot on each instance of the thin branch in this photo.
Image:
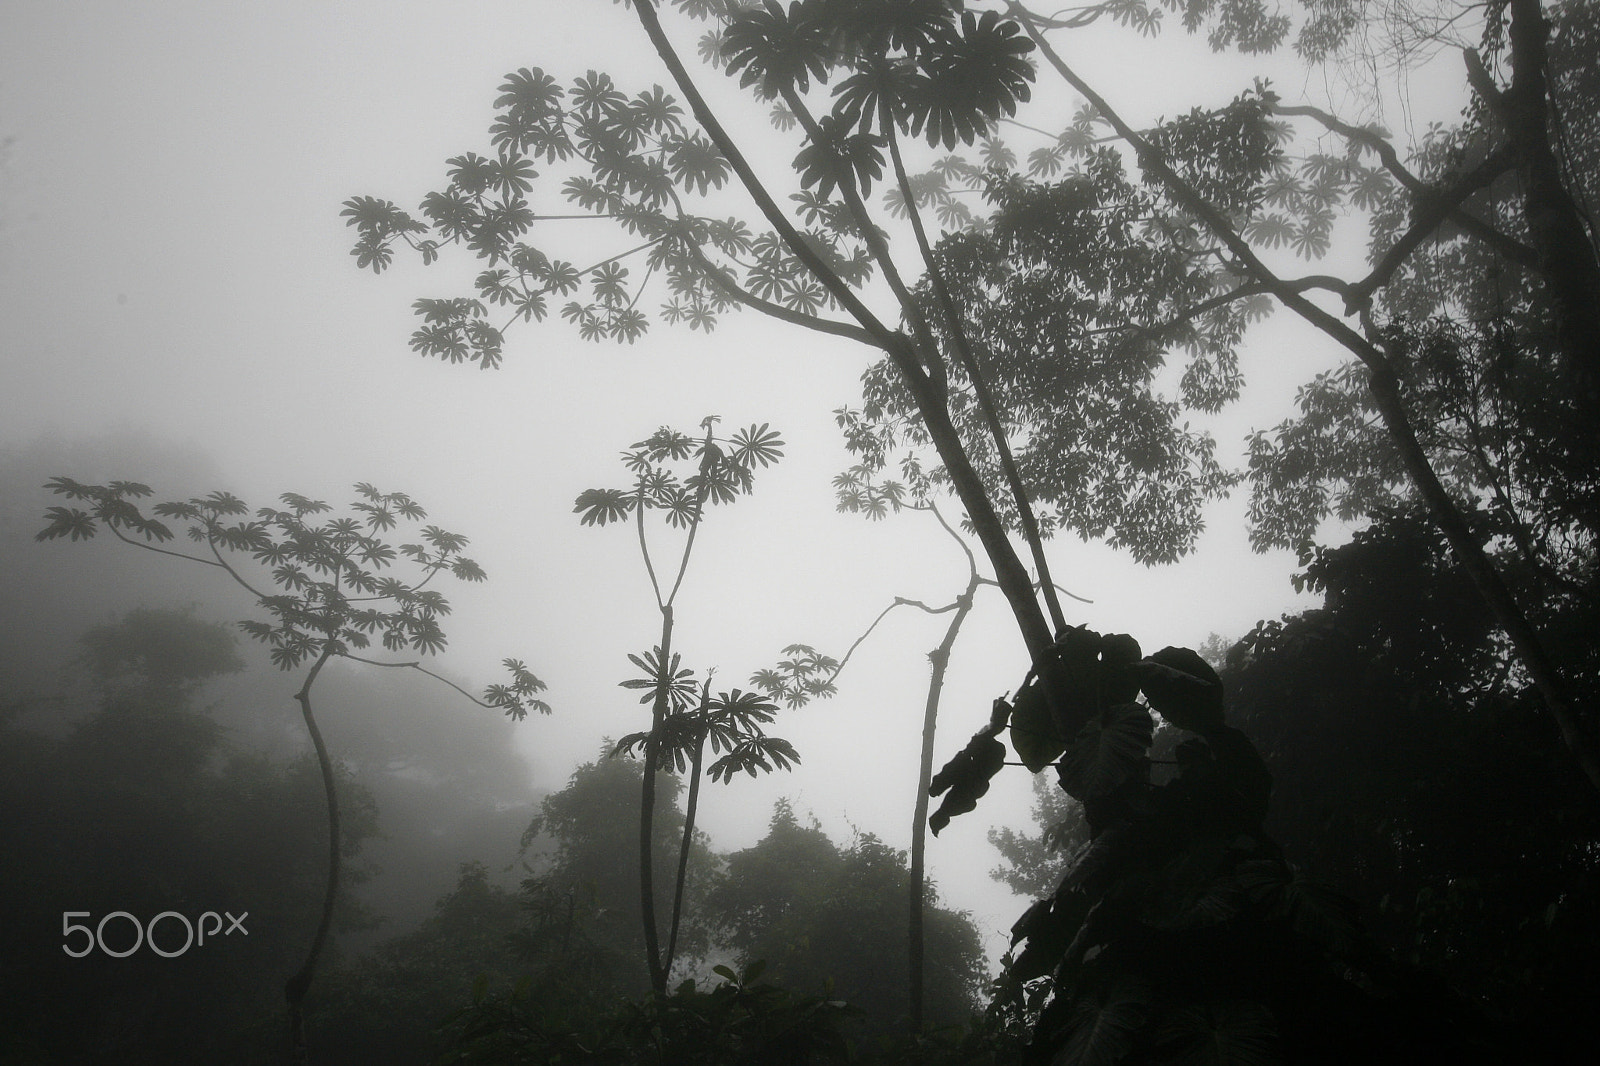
(416, 665)
(160, 551)
(734, 290)
(644, 548)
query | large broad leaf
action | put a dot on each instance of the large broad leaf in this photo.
(1316, 911)
(1033, 729)
(1183, 689)
(966, 777)
(1106, 752)
(1227, 1033)
(1102, 1027)
(1069, 673)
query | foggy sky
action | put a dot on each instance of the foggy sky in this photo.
(172, 261)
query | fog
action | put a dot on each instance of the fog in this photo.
(178, 306)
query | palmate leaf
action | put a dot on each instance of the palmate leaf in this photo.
(777, 49)
(1226, 1033)
(67, 522)
(530, 94)
(743, 707)
(696, 163)
(1101, 1027)
(599, 506)
(757, 445)
(756, 755)
(678, 682)
(840, 159)
(971, 79)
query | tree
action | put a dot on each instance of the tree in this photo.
(144, 807)
(917, 69)
(824, 919)
(680, 725)
(805, 674)
(1444, 209)
(582, 901)
(1417, 777)
(333, 598)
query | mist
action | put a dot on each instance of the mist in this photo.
(182, 309)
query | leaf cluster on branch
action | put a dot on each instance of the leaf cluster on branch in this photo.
(335, 596)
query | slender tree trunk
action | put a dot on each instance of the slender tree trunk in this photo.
(647, 812)
(294, 990)
(691, 806)
(940, 658)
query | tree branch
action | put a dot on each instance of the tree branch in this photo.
(1384, 385)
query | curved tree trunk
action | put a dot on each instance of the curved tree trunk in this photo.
(294, 990)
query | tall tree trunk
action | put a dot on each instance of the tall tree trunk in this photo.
(647, 811)
(1555, 227)
(940, 658)
(920, 375)
(692, 804)
(294, 990)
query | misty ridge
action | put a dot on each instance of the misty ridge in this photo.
(908, 532)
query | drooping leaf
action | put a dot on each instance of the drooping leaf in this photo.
(1183, 688)
(1033, 729)
(1219, 1033)
(966, 777)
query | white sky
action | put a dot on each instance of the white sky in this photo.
(171, 257)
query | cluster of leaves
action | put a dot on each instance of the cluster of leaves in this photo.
(804, 674)
(922, 67)
(730, 721)
(722, 472)
(1052, 298)
(334, 593)
(1177, 927)
(640, 158)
